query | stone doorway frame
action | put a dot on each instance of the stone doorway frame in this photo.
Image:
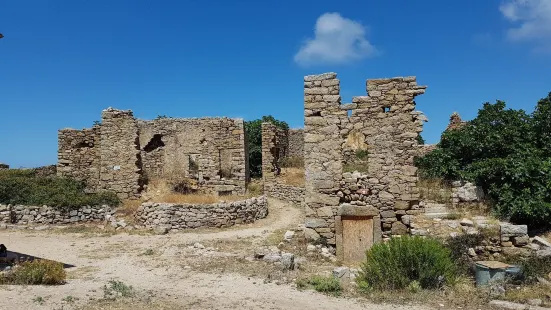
(348, 210)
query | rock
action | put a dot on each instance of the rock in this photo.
(315, 223)
(406, 219)
(399, 228)
(161, 230)
(272, 258)
(341, 272)
(289, 235)
(534, 302)
(311, 248)
(311, 234)
(466, 222)
(507, 305)
(472, 252)
(546, 252)
(469, 192)
(198, 245)
(541, 241)
(287, 261)
(521, 241)
(511, 230)
(543, 281)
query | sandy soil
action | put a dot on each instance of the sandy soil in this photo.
(165, 280)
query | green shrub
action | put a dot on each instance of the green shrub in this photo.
(459, 247)
(327, 285)
(505, 151)
(36, 272)
(396, 264)
(26, 188)
(532, 268)
(117, 289)
(362, 154)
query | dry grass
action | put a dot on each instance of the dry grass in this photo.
(255, 187)
(292, 176)
(196, 198)
(524, 293)
(435, 190)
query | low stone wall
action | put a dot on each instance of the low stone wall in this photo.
(182, 216)
(285, 192)
(28, 215)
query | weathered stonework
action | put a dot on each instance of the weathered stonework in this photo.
(184, 216)
(122, 153)
(383, 129)
(277, 145)
(43, 215)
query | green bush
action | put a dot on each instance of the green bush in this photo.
(328, 285)
(508, 153)
(26, 188)
(532, 268)
(459, 247)
(396, 264)
(35, 272)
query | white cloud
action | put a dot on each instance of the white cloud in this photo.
(336, 40)
(532, 19)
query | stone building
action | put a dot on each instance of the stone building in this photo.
(4, 166)
(361, 183)
(122, 153)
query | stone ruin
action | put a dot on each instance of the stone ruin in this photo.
(122, 153)
(4, 166)
(348, 206)
(277, 145)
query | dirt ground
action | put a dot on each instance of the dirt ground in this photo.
(169, 272)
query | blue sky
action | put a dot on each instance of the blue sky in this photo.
(62, 62)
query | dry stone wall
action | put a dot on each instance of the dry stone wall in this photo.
(184, 216)
(44, 215)
(121, 153)
(209, 150)
(295, 146)
(275, 147)
(365, 159)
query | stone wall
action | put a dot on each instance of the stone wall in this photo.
(379, 138)
(184, 216)
(275, 147)
(285, 192)
(122, 153)
(28, 215)
(78, 155)
(295, 146)
(4, 166)
(209, 150)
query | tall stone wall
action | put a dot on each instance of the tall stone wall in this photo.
(365, 159)
(295, 143)
(120, 161)
(78, 155)
(122, 152)
(210, 150)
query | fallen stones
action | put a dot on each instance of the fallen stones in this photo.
(311, 235)
(289, 235)
(466, 222)
(541, 241)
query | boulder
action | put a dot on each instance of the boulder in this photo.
(511, 230)
(311, 234)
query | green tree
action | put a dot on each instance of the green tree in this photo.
(254, 140)
(505, 151)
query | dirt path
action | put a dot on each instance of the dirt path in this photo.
(161, 278)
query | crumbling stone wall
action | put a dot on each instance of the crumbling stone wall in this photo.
(122, 153)
(183, 216)
(275, 147)
(295, 143)
(210, 150)
(120, 161)
(25, 215)
(78, 155)
(383, 129)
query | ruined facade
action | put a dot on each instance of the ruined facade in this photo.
(360, 166)
(122, 153)
(277, 145)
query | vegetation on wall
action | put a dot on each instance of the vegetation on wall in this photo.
(508, 153)
(254, 139)
(26, 187)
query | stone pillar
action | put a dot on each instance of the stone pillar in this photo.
(121, 165)
(322, 150)
(268, 149)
